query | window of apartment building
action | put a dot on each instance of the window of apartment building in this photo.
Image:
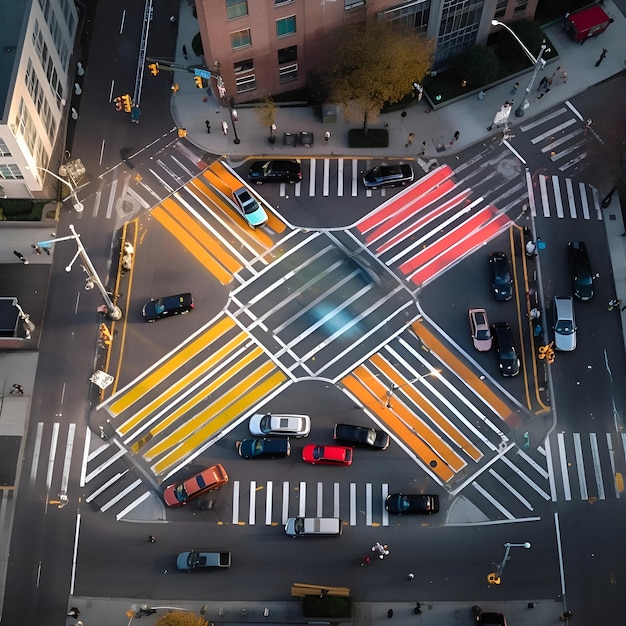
(279, 2)
(287, 55)
(286, 26)
(10, 171)
(246, 83)
(288, 73)
(4, 149)
(413, 14)
(352, 4)
(236, 8)
(240, 39)
(247, 65)
(501, 8)
(520, 6)
(47, 64)
(458, 28)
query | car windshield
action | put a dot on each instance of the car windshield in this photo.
(404, 504)
(180, 493)
(564, 327)
(482, 334)
(508, 355)
(265, 424)
(159, 306)
(257, 446)
(193, 559)
(502, 274)
(299, 525)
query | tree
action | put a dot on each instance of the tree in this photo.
(374, 63)
(181, 618)
(267, 114)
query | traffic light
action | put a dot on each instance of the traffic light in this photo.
(118, 103)
(127, 102)
(154, 68)
(198, 81)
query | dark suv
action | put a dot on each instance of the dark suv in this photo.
(388, 176)
(508, 362)
(281, 171)
(580, 269)
(361, 435)
(168, 306)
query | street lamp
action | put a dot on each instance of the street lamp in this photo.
(494, 578)
(78, 206)
(393, 388)
(93, 280)
(29, 327)
(538, 62)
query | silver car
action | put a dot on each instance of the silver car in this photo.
(264, 425)
(564, 323)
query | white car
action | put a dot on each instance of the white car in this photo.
(479, 328)
(266, 424)
(249, 208)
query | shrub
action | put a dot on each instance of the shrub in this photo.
(327, 606)
(196, 46)
(374, 138)
(478, 66)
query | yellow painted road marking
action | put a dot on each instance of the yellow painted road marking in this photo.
(464, 372)
(213, 358)
(372, 395)
(200, 234)
(241, 398)
(201, 255)
(442, 422)
(143, 386)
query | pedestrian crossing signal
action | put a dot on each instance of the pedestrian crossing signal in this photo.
(127, 103)
(118, 103)
(198, 81)
(154, 68)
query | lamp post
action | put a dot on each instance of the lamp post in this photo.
(393, 388)
(78, 206)
(538, 63)
(29, 327)
(93, 280)
(494, 578)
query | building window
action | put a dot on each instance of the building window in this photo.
(246, 83)
(352, 4)
(279, 2)
(236, 8)
(287, 55)
(286, 26)
(520, 6)
(288, 73)
(413, 14)
(243, 66)
(4, 149)
(501, 8)
(10, 171)
(240, 39)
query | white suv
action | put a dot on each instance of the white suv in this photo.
(263, 425)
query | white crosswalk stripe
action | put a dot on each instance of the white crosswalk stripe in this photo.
(558, 197)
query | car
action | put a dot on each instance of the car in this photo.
(479, 328)
(508, 361)
(280, 171)
(195, 560)
(264, 448)
(166, 307)
(404, 504)
(249, 208)
(580, 269)
(268, 424)
(327, 455)
(314, 526)
(388, 176)
(178, 494)
(502, 283)
(491, 619)
(564, 323)
(361, 435)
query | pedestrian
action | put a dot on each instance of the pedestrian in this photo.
(73, 612)
(543, 83)
(515, 88)
(409, 140)
(602, 57)
(36, 248)
(173, 19)
(18, 389)
(411, 576)
(21, 257)
(535, 314)
(613, 304)
(151, 538)
(423, 150)
(327, 136)
(377, 547)
(418, 608)
(563, 76)
(366, 560)
(390, 613)
(185, 52)
(208, 126)
(566, 615)
(481, 95)
(457, 134)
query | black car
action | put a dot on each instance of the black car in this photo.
(362, 435)
(403, 504)
(264, 448)
(580, 268)
(388, 176)
(493, 619)
(501, 276)
(505, 349)
(281, 171)
(166, 307)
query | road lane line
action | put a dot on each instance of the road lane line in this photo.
(543, 473)
(531, 483)
(384, 491)
(69, 447)
(552, 131)
(340, 163)
(597, 468)
(36, 452)
(320, 500)
(336, 501)
(133, 505)
(109, 210)
(52, 455)
(312, 177)
(236, 502)
(352, 504)
(302, 499)
(583, 197)
(120, 495)
(580, 466)
(355, 177)
(570, 198)
(493, 501)
(252, 504)
(563, 461)
(543, 119)
(98, 470)
(609, 444)
(269, 491)
(552, 480)
(556, 185)
(285, 511)
(326, 177)
(368, 504)
(545, 202)
(510, 489)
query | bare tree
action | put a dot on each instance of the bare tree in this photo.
(267, 115)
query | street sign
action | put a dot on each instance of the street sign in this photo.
(202, 73)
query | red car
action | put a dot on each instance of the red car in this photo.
(327, 455)
(207, 480)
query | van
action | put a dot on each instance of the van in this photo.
(586, 23)
(580, 269)
(314, 526)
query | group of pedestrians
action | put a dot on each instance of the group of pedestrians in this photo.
(382, 550)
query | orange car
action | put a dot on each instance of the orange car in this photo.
(207, 480)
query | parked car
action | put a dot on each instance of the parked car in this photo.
(403, 504)
(388, 176)
(280, 171)
(327, 455)
(580, 268)
(166, 307)
(508, 360)
(249, 208)
(207, 480)
(479, 328)
(490, 618)
(564, 323)
(194, 560)
(361, 435)
(264, 448)
(268, 424)
(502, 283)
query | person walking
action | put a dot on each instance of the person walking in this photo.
(409, 140)
(366, 560)
(614, 303)
(21, 257)
(543, 83)
(327, 136)
(208, 126)
(411, 576)
(457, 134)
(151, 538)
(73, 612)
(566, 615)
(515, 88)
(18, 389)
(602, 57)
(423, 150)
(185, 52)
